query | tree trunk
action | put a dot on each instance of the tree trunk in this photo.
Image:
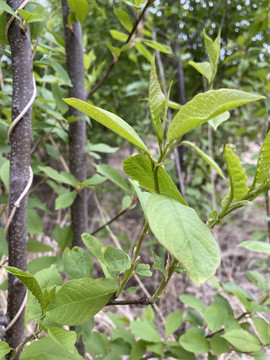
(20, 139)
(77, 135)
(77, 131)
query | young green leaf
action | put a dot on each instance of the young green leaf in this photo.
(79, 300)
(179, 229)
(29, 17)
(212, 49)
(143, 51)
(258, 280)
(139, 168)
(145, 330)
(204, 107)
(262, 174)
(173, 321)
(119, 35)
(46, 348)
(63, 236)
(194, 341)
(116, 259)
(203, 68)
(262, 328)
(193, 302)
(215, 316)
(243, 340)
(219, 345)
(206, 157)
(63, 337)
(63, 177)
(28, 280)
(65, 200)
(157, 46)
(111, 121)
(157, 101)
(142, 195)
(4, 349)
(77, 263)
(218, 120)
(256, 246)
(238, 180)
(113, 175)
(124, 18)
(4, 6)
(80, 8)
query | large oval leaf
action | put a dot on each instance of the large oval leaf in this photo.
(79, 300)
(110, 120)
(238, 179)
(204, 107)
(243, 340)
(179, 229)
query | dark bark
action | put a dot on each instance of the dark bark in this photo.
(20, 139)
(77, 131)
(77, 134)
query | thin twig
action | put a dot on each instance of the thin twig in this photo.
(142, 301)
(95, 88)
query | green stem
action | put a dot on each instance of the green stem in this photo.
(128, 273)
(164, 282)
(21, 346)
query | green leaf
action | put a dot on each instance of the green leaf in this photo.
(173, 321)
(40, 263)
(124, 18)
(113, 175)
(58, 68)
(95, 246)
(63, 177)
(77, 263)
(218, 120)
(142, 195)
(103, 148)
(111, 121)
(215, 316)
(256, 246)
(119, 35)
(145, 330)
(4, 348)
(97, 344)
(194, 342)
(4, 174)
(243, 340)
(139, 168)
(179, 229)
(143, 270)
(206, 157)
(203, 68)
(28, 280)
(63, 236)
(79, 300)
(96, 179)
(4, 6)
(63, 337)
(143, 51)
(37, 246)
(65, 200)
(80, 7)
(219, 345)
(34, 223)
(157, 101)
(262, 328)
(212, 49)
(58, 94)
(204, 107)
(115, 259)
(137, 350)
(157, 46)
(159, 264)
(29, 17)
(258, 280)
(262, 174)
(238, 179)
(47, 349)
(193, 302)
